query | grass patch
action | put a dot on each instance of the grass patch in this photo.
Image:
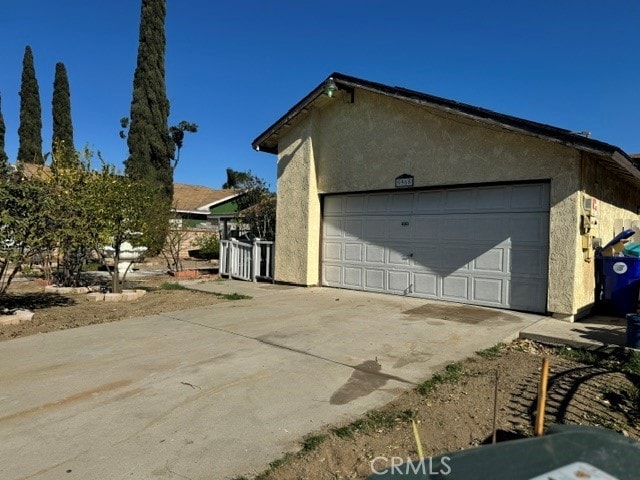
(492, 353)
(626, 361)
(171, 286)
(233, 296)
(280, 462)
(312, 442)
(631, 362)
(451, 374)
(345, 432)
(634, 397)
(578, 355)
(373, 421)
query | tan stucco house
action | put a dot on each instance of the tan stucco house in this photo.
(390, 190)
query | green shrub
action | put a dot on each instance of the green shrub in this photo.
(208, 246)
(172, 286)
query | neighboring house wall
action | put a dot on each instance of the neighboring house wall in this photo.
(361, 146)
(189, 238)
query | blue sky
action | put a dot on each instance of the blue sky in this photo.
(234, 67)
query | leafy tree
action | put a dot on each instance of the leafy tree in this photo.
(30, 130)
(235, 178)
(177, 135)
(61, 109)
(121, 206)
(23, 228)
(176, 132)
(4, 160)
(70, 208)
(261, 217)
(257, 205)
(151, 147)
(73, 210)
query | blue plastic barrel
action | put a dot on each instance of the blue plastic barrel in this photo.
(633, 330)
(620, 284)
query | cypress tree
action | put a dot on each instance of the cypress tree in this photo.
(4, 160)
(30, 130)
(150, 145)
(61, 109)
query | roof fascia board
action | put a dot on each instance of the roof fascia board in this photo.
(478, 115)
(287, 117)
(217, 202)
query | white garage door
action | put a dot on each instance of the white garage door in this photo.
(482, 245)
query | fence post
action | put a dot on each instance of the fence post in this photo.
(222, 270)
(273, 262)
(255, 261)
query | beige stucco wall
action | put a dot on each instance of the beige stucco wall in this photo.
(297, 226)
(365, 145)
(618, 203)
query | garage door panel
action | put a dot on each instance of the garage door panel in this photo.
(332, 251)
(426, 228)
(533, 196)
(458, 257)
(490, 229)
(353, 227)
(428, 202)
(353, 252)
(528, 261)
(455, 228)
(527, 228)
(375, 228)
(333, 205)
(425, 284)
(374, 254)
(378, 203)
(398, 281)
(492, 198)
(332, 275)
(400, 228)
(374, 279)
(352, 277)
(459, 199)
(401, 203)
(398, 255)
(428, 258)
(333, 228)
(480, 245)
(455, 287)
(488, 290)
(492, 260)
(354, 204)
(526, 295)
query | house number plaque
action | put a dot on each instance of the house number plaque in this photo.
(405, 180)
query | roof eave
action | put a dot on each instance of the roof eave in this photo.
(195, 212)
(260, 142)
(476, 114)
(208, 206)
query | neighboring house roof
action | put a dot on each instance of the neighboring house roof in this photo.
(199, 199)
(615, 157)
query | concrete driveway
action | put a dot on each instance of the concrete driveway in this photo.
(212, 393)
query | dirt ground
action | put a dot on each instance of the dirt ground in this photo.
(453, 410)
(458, 412)
(59, 312)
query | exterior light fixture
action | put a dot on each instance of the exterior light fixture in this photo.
(330, 87)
